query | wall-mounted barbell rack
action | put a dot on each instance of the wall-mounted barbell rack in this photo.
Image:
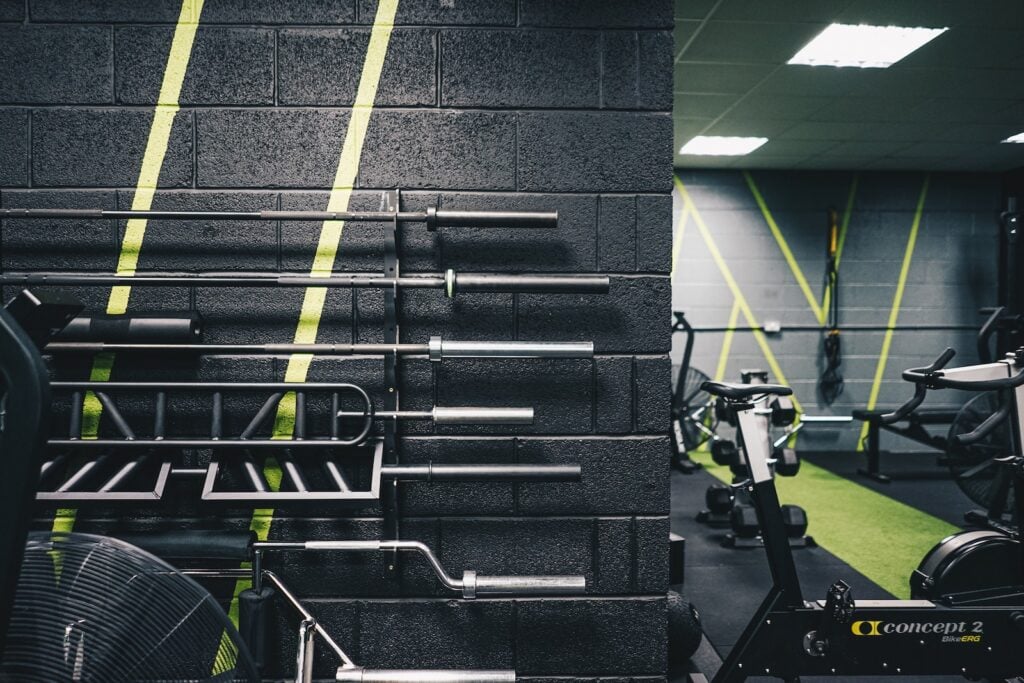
(383, 453)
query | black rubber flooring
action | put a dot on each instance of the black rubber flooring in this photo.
(726, 585)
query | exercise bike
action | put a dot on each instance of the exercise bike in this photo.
(729, 505)
(966, 615)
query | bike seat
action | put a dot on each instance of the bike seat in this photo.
(738, 392)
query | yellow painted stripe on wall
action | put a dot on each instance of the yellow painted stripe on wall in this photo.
(878, 536)
(737, 293)
(145, 187)
(326, 252)
(787, 253)
(894, 311)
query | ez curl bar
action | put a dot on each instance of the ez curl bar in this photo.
(254, 602)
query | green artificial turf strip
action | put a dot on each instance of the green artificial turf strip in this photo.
(880, 537)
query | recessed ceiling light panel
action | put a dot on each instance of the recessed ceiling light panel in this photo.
(1019, 137)
(863, 45)
(717, 145)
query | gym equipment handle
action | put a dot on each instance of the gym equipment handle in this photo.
(476, 585)
(491, 219)
(920, 377)
(497, 472)
(525, 284)
(361, 675)
(478, 416)
(114, 329)
(195, 544)
(439, 349)
(985, 428)
(930, 377)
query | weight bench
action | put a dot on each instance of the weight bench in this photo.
(912, 427)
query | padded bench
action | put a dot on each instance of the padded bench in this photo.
(911, 427)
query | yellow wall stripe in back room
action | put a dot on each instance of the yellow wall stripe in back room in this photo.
(878, 536)
(145, 188)
(894, 312)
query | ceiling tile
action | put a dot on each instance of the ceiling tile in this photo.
(969, 110)
(754, 127)
(821, 11)
(755, 42)
(693, 9)
(946, 106)
(935, 13)
(958, 47)
(816, 130)
(832, 162)
(683, 32)
(818, 80)
(868, 109)
(891, 132)
(696, 105)
(693, 161)
(937, 149)
(864, 149)
(773, 107)
(985, 133)
(804, 148)
(719, 78)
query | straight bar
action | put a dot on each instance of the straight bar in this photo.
(432, 216)
(436, 349)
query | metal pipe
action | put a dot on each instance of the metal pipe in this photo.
(471, 585)
(304, 654)
(233, 442)
(437, 349)
(336, 476)
(440, 349)
(361, 675)
(483, 472)
(455, 415)
(432, 216)
(450, 281)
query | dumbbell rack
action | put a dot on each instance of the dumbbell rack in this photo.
(356, 469)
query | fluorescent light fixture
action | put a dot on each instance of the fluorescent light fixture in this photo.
(864, 46)
(716, 145)
(1019, 137)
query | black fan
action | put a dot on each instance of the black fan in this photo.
(973, 466)
(92, 608)
(694, 408)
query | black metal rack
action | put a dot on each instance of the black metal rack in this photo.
(345, 453)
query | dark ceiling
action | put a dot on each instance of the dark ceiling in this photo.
(945, 106)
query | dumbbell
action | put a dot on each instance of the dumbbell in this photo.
(743, 520)
(795, 519)
(724, 452)
(787, 462)
(783, 411)
(723, 413)
(719, 498)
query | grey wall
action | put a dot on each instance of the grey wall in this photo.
(487, 103)
(952, 274)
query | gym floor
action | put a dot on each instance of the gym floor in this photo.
(726, 585)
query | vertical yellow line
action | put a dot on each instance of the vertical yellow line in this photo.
(894, 311)
(326, 252)
(843, 229)
(787, 253)
(677, 239)
(737, 293)
(145, 187)
(723, 354)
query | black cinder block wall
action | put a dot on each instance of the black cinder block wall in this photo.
(516, 104)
